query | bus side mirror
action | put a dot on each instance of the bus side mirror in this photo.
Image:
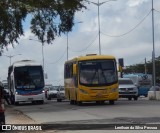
(74, 69)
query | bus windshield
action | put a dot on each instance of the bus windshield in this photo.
(97, 72)
(29, 77)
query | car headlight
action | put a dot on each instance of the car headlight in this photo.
(113, 90)
(83, 91)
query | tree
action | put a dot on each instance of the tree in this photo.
(140, 68)
(50, 18)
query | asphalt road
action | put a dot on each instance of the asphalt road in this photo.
(142, 111)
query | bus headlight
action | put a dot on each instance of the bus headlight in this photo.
(113, 90)
(17, 93)
(83, 91)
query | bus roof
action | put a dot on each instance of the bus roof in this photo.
(25, 63)
(91, 57)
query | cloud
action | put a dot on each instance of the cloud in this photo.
(115, 18)
(133, 3)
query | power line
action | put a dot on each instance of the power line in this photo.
(87, 46)
(157, 11)
(129, 30)
(59, 58)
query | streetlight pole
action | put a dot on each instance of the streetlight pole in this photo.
(153, 54)
(43, 55)
(67, 38)
(10, 57)
(67, 45)
(42, 50)
(99, 30)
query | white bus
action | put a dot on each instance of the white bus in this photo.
(26, 82)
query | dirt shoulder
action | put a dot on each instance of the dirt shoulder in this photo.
(16, 117)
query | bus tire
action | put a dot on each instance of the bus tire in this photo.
(16, 103)
(12, 99)
(71, 102)
(41, 101)
(79, 103)
(98, 102)
(111, 102)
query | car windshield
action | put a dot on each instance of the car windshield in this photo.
(97, 72)
(53, 88)
(124, 82)
(5, 85)
(62, 89)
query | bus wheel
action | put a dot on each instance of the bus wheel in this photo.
(102, 102)
(12, 99)
(98, 102)
(111, 102)
(41, 101)
(16, 103)
(71, 102)
(79, 103)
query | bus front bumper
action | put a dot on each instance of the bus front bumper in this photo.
(98, 97)
(29, 98)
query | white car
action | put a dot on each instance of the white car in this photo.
(52, 92)
(60, 94)
(127, 89)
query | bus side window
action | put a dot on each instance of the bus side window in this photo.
(68, 70)
(75, 81)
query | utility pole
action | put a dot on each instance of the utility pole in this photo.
(67, 45)
(42, 43)
(145, 66)
(68, 39)
(10, 57)
(99, 30)
(153, 54)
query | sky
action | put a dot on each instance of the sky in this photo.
(126, 32)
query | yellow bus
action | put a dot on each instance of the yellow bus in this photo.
(91, 78)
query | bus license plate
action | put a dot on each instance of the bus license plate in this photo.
(99, 95)
(30, 99)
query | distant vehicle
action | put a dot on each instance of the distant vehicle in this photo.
(52, 92)
(26, 82)
(142, 81)
(60, 94)
(127, 89)
(5, 85)
(91, 78)
(2, 110)
(46, 88)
